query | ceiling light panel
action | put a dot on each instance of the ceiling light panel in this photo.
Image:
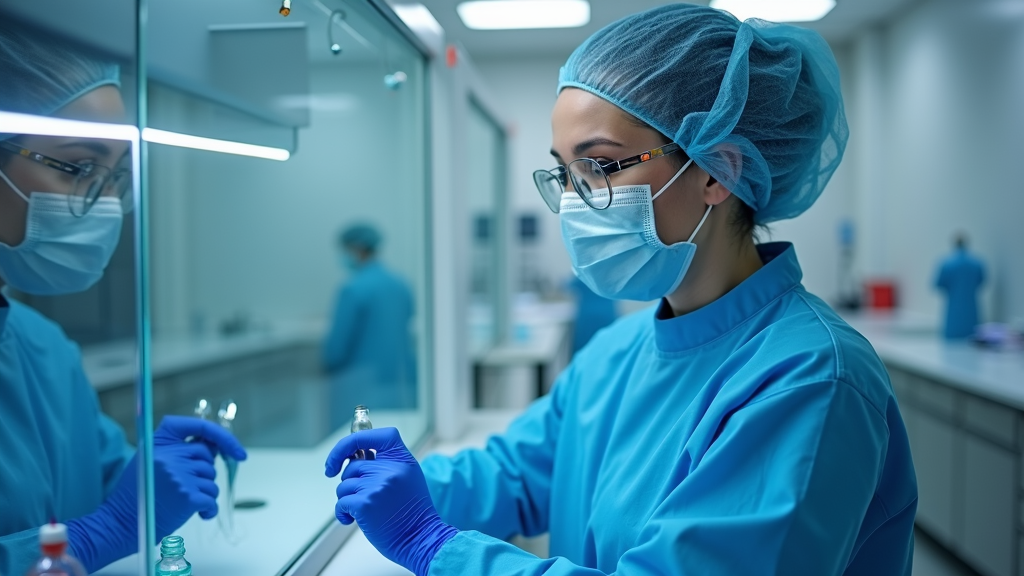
(524, 14)
(777, 10)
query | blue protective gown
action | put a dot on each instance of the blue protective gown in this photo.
(369, 349)
(59, 455)
(960, 277)
(757, 435)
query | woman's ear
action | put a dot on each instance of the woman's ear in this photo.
(730, 160)
(715, 192)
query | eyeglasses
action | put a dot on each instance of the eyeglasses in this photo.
(588, 176)
(91, 181)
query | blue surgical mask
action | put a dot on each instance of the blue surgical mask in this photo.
(616, 252)
(61, 253)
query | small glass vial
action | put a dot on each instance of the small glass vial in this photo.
(53, 540)
(172, 558)
(361, 421)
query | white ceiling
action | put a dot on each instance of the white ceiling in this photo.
(845, 19)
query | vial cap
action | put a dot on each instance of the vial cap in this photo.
(53, 533)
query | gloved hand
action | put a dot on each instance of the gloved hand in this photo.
(388, 498)
(183, 482)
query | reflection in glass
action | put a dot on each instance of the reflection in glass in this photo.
(241, 253)
(92, 181)
(249, 301)
(68, 277)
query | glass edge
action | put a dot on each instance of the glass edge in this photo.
(144, 397)
(385, 10)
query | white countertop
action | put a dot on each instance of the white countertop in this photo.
(300, 503)
(543, 345)
(111, 365)
(358, 556)
(919, 348)
(538, 331)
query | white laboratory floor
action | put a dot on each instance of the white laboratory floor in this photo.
(930, 559)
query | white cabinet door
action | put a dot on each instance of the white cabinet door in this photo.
(931, 444)
(989, 516)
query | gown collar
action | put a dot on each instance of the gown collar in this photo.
(780, 274)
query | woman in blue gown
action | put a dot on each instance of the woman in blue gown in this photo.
(737, 427)
(60, 457)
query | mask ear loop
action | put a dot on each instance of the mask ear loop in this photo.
(706, 214)
(678, 174)
(665, 187)
(13, 187)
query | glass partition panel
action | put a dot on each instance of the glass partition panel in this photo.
(69, 324)
(289, 243)
(485, 164)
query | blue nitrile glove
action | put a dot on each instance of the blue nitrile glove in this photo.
(388, 498)
(183, 482)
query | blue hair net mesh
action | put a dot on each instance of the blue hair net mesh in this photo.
(363, 236)
(40, 75)
(755, 104)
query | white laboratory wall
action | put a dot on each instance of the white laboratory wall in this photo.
(936, 123)
(815, 233)
(235, 234)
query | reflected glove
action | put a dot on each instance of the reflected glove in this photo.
(388, 498)
(183, 480)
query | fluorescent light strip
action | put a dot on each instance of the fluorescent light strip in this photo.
(418, 17)
(524, 14)
(213, 145)
(777, 10)
(12, 123)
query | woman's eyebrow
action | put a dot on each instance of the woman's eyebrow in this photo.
(581, 148)
(97, 147)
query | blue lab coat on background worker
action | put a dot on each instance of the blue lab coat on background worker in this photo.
(758, 434)
(59, 455)
(593, 313)
(960, 276)
(369, 349)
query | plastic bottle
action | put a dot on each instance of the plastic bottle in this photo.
(361, 421)
(53, 540)
(172, 558)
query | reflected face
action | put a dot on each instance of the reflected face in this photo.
(355, 256)
(586, 126)
(101, 105)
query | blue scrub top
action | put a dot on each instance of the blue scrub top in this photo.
(59, 455)
(369, 349)
(960, 276)
(756, 435)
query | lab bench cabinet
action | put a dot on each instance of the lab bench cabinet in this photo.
(967, 452)
(280, 394)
